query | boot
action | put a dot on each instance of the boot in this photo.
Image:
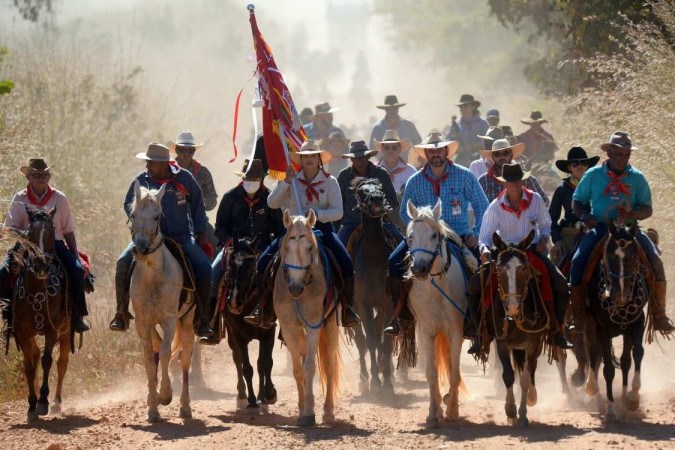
(7, 329)
(214, 339)
(258, 318)
(79, 325)
(122, 316)
(474, 325)
(394, 327)
(556, 335)
(202, 317)
(578, 304)
(349, 316)
(661, 322)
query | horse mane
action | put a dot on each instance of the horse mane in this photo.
(147, 196)
(426, 215)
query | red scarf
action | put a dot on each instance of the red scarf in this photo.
(491, 173)
(173, 165)
(250, 202)
(436, 184)
(525, 202)
(615, 182)
(33, 198)
(310, 189)
(196, 167)
(395, 171)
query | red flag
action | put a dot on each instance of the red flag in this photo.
(278, 108)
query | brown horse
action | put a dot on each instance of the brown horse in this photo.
(41, 306)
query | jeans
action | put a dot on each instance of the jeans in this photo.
(71, 262)
(217, 270)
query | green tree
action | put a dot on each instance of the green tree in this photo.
(6, 86)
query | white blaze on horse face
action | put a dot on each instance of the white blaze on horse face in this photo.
(621, 255)
(512, 303)
(41, 240)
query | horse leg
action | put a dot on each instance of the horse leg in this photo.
(435, 411)
(608, 372)
(579, 374)
(525, 375)
(62, 367)
(307, 417)
(360, 340)
(330, 355)
(269, 392)
(197, 375)
(372, 340)
(386, 364)
(561, 365)
(30, 349)
(145, 333)
(187, 339)
(626, 362)
(43, 401)
(247, 369)
(165, 391)
(452, 399)
(296, 342)
(532, 370)
(593, 362)
(238, 364)
(508, 376)
(633, 396)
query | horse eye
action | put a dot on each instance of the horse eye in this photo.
(434, 236)
(157, 217)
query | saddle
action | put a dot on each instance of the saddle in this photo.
(491, 282)
(189, 284)
(355, 239)
(596, 257)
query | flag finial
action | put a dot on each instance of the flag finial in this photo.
(250, 7)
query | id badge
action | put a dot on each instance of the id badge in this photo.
(180, 198)
(456, 208)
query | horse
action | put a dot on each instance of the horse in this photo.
(239, 287)
(370, 256)
(309, 328)
(439, 303)
(519, 321)
(156, 285)
(42, 306)
(618, 292)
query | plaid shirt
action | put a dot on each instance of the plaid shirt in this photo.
(458, 191)
(493, 187)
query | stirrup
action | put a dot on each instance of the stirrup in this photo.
(664, 325)
(394, 328)
(475, 347)
(255, 319)
(350, 318)
(119, 323)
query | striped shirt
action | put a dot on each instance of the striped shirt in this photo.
(511, 228)
(458, 191)
(494, 187)
(399, 174)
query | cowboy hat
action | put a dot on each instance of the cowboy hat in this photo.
(390, 101)
(535, 117)
(310, 147)
(184, 139)
(35, 165)
(576, 155)
(467, 99)
(155, 152)
(492, 113)
(254, 172)
(503, 144)
(619, 139)
(435, 140)
(492, 134)
(324, 108)
(335, 137)
(392, 137)
(513, 172)
(358, 149)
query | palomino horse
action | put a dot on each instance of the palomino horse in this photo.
(370, 256)
(618, 293)
(156, 285)
(42, 306)
(300, 288)
(519, 321)
(239, 281)
(438, 301)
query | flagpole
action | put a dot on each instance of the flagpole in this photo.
(294, 184)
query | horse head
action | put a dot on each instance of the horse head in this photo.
(425, 234)
(241, 266)
(621, 263)
(145, 214)
(513, 273)
(299, 251)
(42, 235)
(370, 199)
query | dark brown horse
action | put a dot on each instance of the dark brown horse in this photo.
(41, 306)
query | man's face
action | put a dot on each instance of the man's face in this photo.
(467, 109)
(184, 155)
(391, 150)
(536, 127)
(437, 157)
(513, 187)
(618, 157)
(156, 169)
(493, 121)
(360, 164)
(38, 180)
(324, 119)
(502, 157)
(391, 113)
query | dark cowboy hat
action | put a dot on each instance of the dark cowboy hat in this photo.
(513, 172)
(390, 101)
(467, 99)
(324, 108)
(35, 165)
(619, 139)
(576, 155)
(255, 172)
(358, 149)
(535, 117)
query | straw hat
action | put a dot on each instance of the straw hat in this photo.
(535, 117)
(35, 165)
(310, 147)
(435, 140)
(503, 144)
(184, 139)
(392, 137)
(155, 152)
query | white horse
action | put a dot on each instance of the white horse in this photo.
(438, 301)
(156, 285)
(299, 292)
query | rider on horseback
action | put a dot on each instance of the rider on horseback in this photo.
(40, 194)
(513, 215)
(183, 214)
(319, 191)
(456, 186)
(615, 190)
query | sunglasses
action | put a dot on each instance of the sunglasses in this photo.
(40, 176)
(391, 146)
(502, 153)
(185, 150)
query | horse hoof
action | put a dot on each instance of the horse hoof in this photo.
(328, 418)
(55, 410)
(265, 408)
(271, 399)
(31, 417)
(532, 396)
(577, 378)
(512, 421)
(153, 416)
(363, 387)
(591, 391)
(452, 412)
(511, 411)
(253, 407)
(432, 422)
(242, 403)
(388, 388)
(523, 422)
(164, 401)
(185, 413)
(611, 417)
(632, 401)
(42, 408)
(307, 421)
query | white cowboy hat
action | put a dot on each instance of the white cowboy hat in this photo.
(310, 147)
(392, 137)
(503, 144)
(184, 139)
(435, 140)
(155, 152)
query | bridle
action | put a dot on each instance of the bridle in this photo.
(153, 236)
(363, 204)
(434, 253)
(286, 267)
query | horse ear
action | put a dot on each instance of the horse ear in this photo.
(311, 218)
(52, 212)
(412, 211)
(525, 243)
(497, 240)
(611, 226)
(633, 229)
(438, 209)
(137, 190)
(161, 192)
(288, 220)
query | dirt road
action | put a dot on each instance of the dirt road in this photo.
(116, 419)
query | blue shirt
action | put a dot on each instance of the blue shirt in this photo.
(311, 132)
(591, 191)
(458, 191)
(405, 129)
(469, 129)
(183, 213)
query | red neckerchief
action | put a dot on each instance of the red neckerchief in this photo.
(436, 184)
(310, 188)
(196, 167)
(395, 171)
(33, 198)
(615, 181)
(525, 202)
(491, 173)
(173, 165)
(250, 202)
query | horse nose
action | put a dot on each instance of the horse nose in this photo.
(420, 270)
(141, 244)
(512, 309)
(296, 289)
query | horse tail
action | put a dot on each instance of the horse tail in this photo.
(329, 360)
(442, 357)
(519, 359)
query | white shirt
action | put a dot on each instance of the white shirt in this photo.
(328, 207)
(479, 167)
(17, 217)
(398, 179)
(511, 228)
